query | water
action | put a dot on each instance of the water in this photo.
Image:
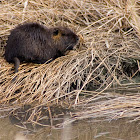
(121, 129)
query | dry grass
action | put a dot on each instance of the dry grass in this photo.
(107, 56)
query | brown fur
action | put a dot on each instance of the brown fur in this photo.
(32, 42)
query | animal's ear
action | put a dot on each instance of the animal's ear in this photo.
(56, 32)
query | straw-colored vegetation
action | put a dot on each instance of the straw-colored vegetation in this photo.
(99, 77)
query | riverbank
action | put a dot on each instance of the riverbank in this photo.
(87, 80)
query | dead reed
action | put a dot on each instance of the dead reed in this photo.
(106, 60)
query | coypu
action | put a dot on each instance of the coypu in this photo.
(33, 42)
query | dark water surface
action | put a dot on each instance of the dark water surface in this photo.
(121, 129)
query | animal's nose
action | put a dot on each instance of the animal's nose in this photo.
(77, 38)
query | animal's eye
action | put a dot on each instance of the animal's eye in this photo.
(63, 34)
(55, 32)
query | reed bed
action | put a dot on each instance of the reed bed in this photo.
(99, 77)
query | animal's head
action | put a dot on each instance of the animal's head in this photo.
(64, 38)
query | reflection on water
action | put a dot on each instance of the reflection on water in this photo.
(81, 130)
(20, 136)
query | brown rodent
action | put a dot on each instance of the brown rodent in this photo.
(32, 42)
